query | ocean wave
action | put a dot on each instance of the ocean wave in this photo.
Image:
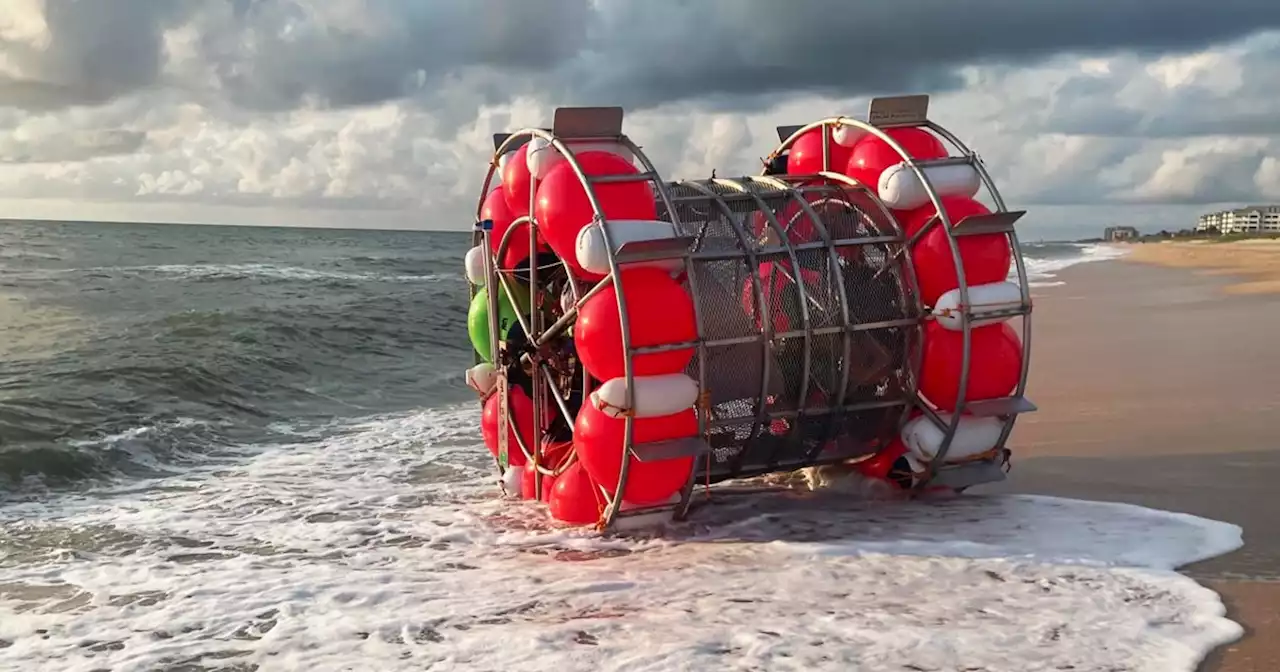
(103, 407)
(257, 271)
(384, 546)
(1044, 260)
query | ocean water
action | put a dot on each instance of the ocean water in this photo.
(1044, 260)
(128, 349)
(242, 449)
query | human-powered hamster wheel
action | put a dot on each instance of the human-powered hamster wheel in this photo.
(636, 338)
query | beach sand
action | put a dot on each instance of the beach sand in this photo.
(1255, 263)
(1157, 386)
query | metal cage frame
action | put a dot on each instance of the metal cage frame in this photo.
(578, 126)
(912, 112)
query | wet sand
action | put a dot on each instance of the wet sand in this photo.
(1158, 386)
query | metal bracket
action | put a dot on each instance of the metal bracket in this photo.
(785, 132)
(587, 122)
(991, 408)
(963, 160)
(499, 138)
(969, 474)
(654, 250)
(979, 225)
(670, 450)
(899, 111)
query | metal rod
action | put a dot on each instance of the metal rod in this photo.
(842, 388)
(963, 288)
(572, 314)
(557, 396)
(615, 501)
(765, 321)
(797, 432)
(673, 216)
(648, 176)
(815, 411)
(1019, 263)
(534, 331)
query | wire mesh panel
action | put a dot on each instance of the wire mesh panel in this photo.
(810, 321)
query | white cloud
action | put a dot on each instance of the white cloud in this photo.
(1081, 142)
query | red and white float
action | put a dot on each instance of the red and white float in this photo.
(704, 331)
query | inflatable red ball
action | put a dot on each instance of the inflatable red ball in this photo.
(516, 181)
(599, 439)
(870, 156)
(986, 258)
(956, 207)
(563, 209)
(806, 153)
(575, 499)
(995, 364)
(880, 465)
(528, 485)
(660, 313)
(496, 210)
(521, 413)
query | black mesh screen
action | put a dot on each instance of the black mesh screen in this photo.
(810, 319)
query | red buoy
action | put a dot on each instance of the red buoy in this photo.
(563, 209)
(599, 440)
(871, 155)
(660, 312)
(995, 364)
(574, 499)
(521, 407)
(805, 157)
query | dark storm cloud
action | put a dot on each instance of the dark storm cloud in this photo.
(656, 51)
(276, 54)
(97, 50)
(644, 53)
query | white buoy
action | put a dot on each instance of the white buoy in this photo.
(474, 263)
(655, 396)
(513, 480)
(992, 296)
(482, 378)
(974, 436)
(900, 188)
(847, 135)
(593, 254)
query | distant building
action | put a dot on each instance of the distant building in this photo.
(1114, 234)
(1251, 219)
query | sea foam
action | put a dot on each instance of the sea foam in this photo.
(384, 546)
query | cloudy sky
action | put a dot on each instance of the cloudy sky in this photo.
(379, 113)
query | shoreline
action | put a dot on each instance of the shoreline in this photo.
(1140, 402)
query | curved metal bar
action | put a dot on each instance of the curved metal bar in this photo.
(483, 237)
(1019, 263)
(537, 396)
(663, 196)
(835, 273)
(963, 285)
(766, 325)
(765, 318)
(916, 307)
(614, 501)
